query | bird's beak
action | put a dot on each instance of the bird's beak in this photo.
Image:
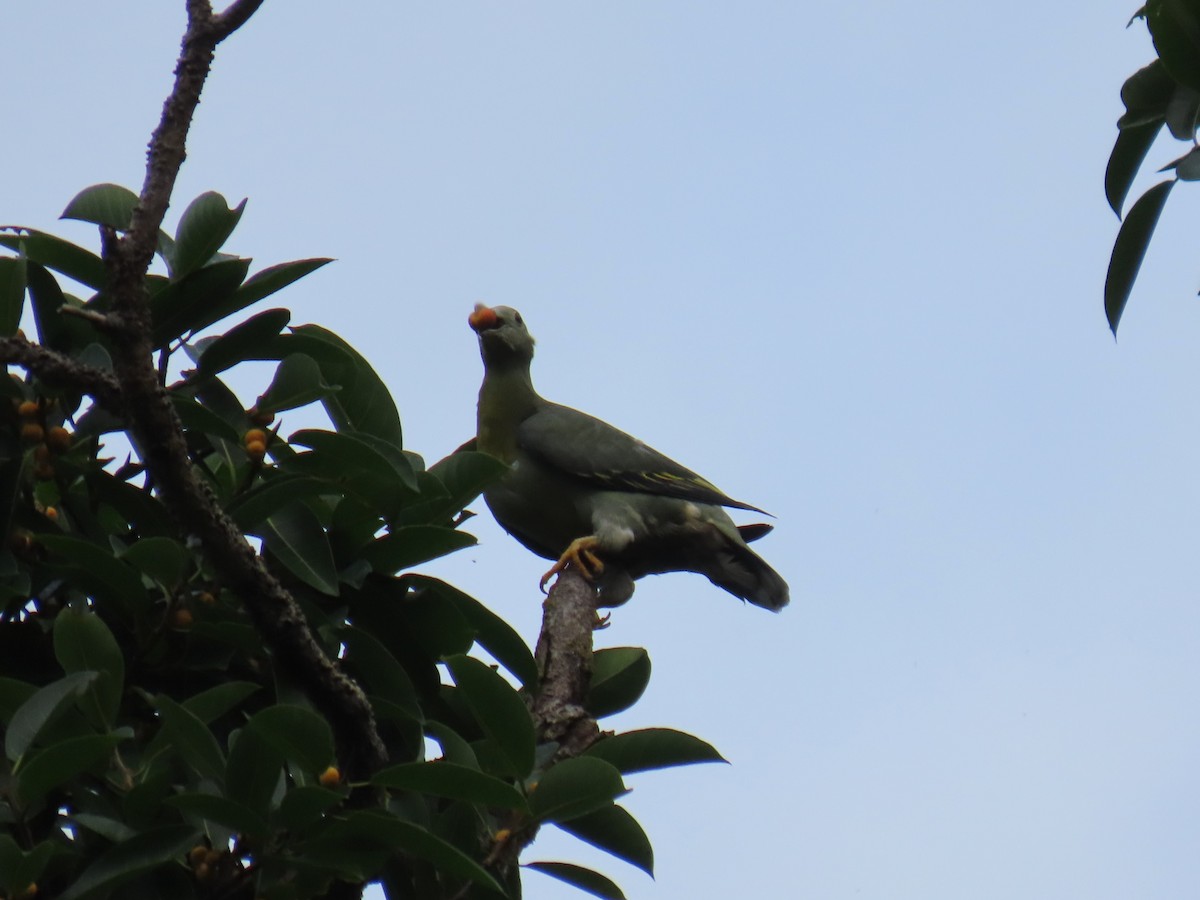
(483, 318)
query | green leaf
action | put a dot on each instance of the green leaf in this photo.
(411, 545)
(12, 294)
(191, 739)
(445, 779)
(224, 811)
(364, 403)
(19, 869)
(197, 418)
(465, 474)
(193, 303)
(614, 831)
(653, 748)
(375, 475)
(42, 709)
(499, 710)
(62, 256)
(1146, 94)
(162, 559)
(1175, 27)
(161, 845)
(1182, 112)
(97, 571)
(83, 643)
(372, 827)
(66, 334)
(491, 632)
(61, 762)
(619, 677)
(294, 536)
(379, 670)
(304, 806)
(110, 829)
(144, 512)
(577, 876)
(273, 278)
(298, 734)
(269, 497)
(297, 382)
(216, 701)
(103, 204)
(243, 341)
(1187, 167)
(203, 229)
(1130, 249)
(253, 770)
(454, 748)
(575, 787)
(1126, 158)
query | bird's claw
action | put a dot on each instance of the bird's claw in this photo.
(582, 555)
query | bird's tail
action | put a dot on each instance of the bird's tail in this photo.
(742, 572)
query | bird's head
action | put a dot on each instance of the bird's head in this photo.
(503, 337)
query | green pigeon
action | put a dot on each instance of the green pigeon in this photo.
(583, 493)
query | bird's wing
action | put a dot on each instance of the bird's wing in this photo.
(593, 451)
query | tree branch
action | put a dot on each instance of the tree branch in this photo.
(61, 371)
(156, 426)
(564, 658)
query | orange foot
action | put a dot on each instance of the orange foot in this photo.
(582, 555)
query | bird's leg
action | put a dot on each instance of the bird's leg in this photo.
(581, 554)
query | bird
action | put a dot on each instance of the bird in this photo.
(585, 494)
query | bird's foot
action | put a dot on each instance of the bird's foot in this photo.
(601, 621)
(582, 555)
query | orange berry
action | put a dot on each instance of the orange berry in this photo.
(206, 598)
(51, 513)
(502, 835)
(29, 892)
(212, 857)
(202, 872)
(182, 618)
(261, 417)
(330, 777)
(41, 454)
(32, 433)
(197, 854)
(58, 439)
(254, 436)
(256, 450)
(28, 409)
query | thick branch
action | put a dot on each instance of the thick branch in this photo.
(155, 424)
(61, 371)
(564, 658)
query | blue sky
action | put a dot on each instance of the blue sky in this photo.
(846, 261)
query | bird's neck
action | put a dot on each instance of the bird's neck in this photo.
(506, 399)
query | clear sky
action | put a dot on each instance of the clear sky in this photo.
(846, 261)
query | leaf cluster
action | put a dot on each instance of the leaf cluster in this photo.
(153, 745)
(1165, 93)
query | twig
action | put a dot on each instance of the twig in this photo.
(156, 426)
(56, 369)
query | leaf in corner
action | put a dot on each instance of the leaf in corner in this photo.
(294, 536)
(203, 228)
(1130, 249)
(577, 876)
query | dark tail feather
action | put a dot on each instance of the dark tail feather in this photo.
(712, 551)
(745, 574)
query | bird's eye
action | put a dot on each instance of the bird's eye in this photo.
(517, 318)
